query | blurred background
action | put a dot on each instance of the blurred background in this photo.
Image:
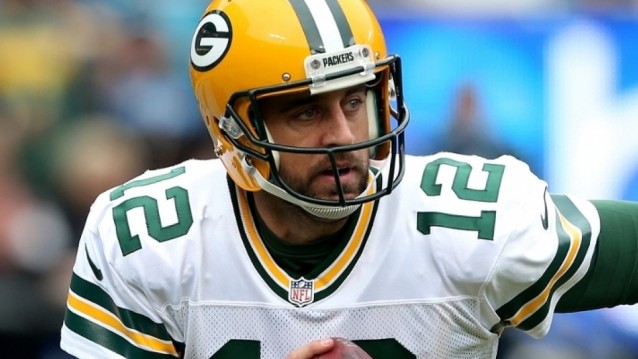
(94, 92)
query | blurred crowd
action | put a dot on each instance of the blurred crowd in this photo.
(503, 7)
(92, 93)
(90, 96)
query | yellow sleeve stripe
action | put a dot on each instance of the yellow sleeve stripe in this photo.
(531, 307)
(107, 319)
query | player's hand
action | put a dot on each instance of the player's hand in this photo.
(312, 349)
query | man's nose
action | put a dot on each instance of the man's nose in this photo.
(338, 129)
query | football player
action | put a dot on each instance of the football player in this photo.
(314, 223)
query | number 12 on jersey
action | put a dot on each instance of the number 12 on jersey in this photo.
(130, 243)
(482, 224)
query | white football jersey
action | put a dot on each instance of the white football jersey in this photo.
(172, 264)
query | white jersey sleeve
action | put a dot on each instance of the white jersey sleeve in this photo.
(530, 246)
(550, 240)
(114, 307)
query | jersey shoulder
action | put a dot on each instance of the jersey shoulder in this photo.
(144, 229)
(456, 184)
(461, 205)
(472, 212)
(206, 178)
(497, 228)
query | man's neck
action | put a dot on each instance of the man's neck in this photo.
(291, 223)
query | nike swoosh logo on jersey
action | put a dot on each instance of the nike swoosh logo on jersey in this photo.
(544, 219)
(94, 268)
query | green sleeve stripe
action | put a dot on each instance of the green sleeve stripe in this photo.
(96, 295)
(510, 309)
(108, 339)
(541, 313)
(574, 216)
(551, 279)
(613, 275)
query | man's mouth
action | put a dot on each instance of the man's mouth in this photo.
(342, 171)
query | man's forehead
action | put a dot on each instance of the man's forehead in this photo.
(305, 96)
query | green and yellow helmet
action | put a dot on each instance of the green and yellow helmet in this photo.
(246, 50)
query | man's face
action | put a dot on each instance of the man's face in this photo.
(333, 119)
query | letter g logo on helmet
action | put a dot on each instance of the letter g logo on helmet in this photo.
(211, 41)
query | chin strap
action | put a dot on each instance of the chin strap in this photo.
(321, 211)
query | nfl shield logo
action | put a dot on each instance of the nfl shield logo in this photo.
(301, 292)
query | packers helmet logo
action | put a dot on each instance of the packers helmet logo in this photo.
(211, 41)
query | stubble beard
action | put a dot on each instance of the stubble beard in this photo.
(302, 186)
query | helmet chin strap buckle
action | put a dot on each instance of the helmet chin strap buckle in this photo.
(230, 126)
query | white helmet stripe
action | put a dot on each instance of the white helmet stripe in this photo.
(326, 24)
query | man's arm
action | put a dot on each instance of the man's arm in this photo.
(612, 278)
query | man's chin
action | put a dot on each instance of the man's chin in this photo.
(335, 196)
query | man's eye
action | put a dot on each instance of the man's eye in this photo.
(354, 104)
(307, 114)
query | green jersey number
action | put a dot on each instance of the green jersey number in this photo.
(379, 348)
(130, 243)
(482, 224)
